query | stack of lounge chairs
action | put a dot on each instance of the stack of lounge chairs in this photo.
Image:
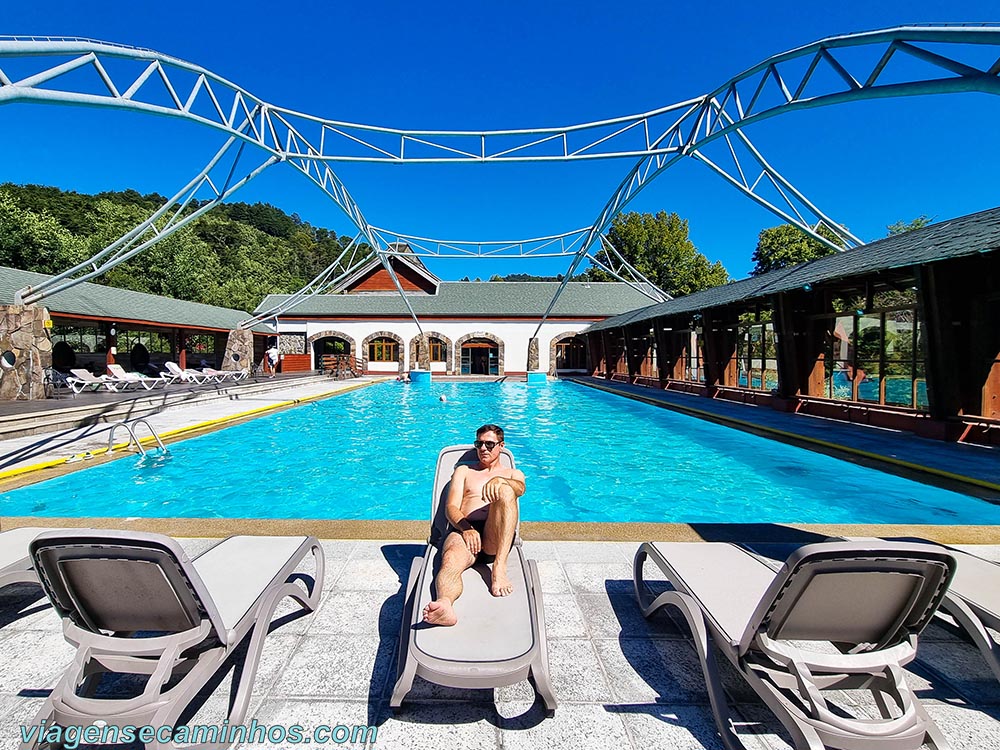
(119, 380)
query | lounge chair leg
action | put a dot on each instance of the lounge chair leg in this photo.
(696, 622)
(406, 668)
(651, 608)
(540, 666)
(974, 628)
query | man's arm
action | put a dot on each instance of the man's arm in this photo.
(515, 481)
(453, 505)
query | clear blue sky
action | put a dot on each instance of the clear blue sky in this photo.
(516, 64)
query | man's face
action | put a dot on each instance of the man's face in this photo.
(487, 445)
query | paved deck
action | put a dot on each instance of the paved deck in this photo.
(622, 682)
(200, 409)
(977, 465)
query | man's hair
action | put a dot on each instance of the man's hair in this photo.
(490, 428)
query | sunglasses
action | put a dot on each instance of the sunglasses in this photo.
(490, 445)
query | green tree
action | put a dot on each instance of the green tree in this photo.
(901, 227)
(787, 245)
(659, 248)
(35, 240)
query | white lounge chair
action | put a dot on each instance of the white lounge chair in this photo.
(498, 640)
(118, 374)
(837, 615)
(221, 376)
(185, 376)
(133, 603)
(80, 379)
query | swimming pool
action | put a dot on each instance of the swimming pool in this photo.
(587, 456)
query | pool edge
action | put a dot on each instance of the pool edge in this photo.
(918, 472)
(531, 531)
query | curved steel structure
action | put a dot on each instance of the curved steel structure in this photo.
(822, 73)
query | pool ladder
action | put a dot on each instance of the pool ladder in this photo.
(130, 428)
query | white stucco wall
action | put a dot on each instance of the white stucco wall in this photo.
(514, 334)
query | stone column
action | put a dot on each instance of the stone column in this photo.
(423, 352)
(23, 331)
(239, 350)
(533, 354)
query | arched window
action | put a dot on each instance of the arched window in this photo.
(383, 349)
(439, 350)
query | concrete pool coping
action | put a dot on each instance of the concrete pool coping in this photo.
(531, 531)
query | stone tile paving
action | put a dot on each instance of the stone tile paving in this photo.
(622, 682)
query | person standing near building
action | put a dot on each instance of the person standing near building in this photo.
(272, 358)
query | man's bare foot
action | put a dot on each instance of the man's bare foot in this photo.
(440, 612)
(500, 585)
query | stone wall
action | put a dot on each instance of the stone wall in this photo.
(240, 342)
(292, 343)
(23, 332)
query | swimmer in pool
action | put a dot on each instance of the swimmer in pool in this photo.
(482, 510)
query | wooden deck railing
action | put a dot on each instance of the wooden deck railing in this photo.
(340, 366)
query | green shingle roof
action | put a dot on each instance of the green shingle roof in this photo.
(478, 299)
(966, 235)
(109, 302)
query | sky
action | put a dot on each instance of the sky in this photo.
(474, 65)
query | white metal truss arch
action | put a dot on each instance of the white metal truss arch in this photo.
(96, 73)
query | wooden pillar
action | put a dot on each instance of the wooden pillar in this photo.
(800, 344)
(636, 348)
(610, 357)
(675, 343)
(664, 352)
(181, 348)
(720, 336)
(959, 306)
(595, 352)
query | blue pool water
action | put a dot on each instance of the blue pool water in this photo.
(587, 456)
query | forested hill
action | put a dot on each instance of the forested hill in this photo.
(236, 254)
(232, 256)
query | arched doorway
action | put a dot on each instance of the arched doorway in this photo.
(331, 345)
(568, 352)
(332, 350)
(480, 356)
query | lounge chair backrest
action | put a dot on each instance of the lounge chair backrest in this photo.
(173, 368)
(118, 371)
(122, 582)
(448, 459)
(861, 596)
(84, 375)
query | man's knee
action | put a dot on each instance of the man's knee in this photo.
(455, 556)
(506, 496)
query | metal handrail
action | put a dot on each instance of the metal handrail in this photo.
(132, 438)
